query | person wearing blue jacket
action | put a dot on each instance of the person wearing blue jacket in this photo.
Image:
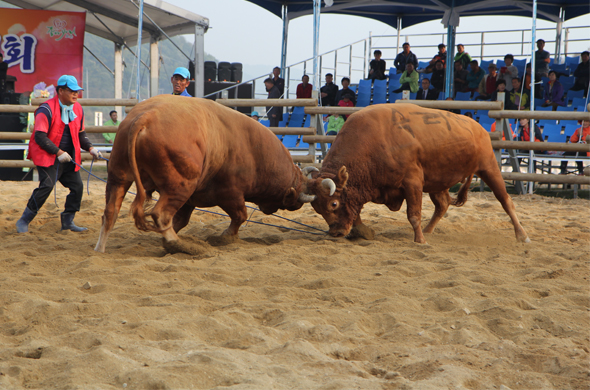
(553, 95)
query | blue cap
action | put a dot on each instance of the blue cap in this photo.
(254, 113)
(182, 72)
(70, 82)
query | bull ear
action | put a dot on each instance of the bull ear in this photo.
(290, 197)
(342, 177)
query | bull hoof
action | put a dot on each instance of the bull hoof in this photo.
(362, 231)
(224, 239)
(179, 246)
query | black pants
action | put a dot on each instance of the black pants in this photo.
(67, 176)
(404, 87)
(580, 164)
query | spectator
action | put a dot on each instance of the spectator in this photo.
(468, 114)
(440, 56)
(278, 81)
(475, 76)
(509, 71)
(3, 70)
(328, 91)
(110, 137)
(405, 57)
(180, 80)
(438, 77)
(335, 123)
(460, 77)
(524, 133)
(553, 95)
(377, 67)
(584, 130)
(346, 101)
(304, 88)
(345, 89)
(518, 100)
(541, 61)
(501, 87)
(425, 93)
(254, 115)
(275, 114)
(462, 56)
(487, 85)
(409, 80)
(582, 74)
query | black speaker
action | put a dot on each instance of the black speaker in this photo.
(191, 70)
(236, 72)
(210, 71)
(10, 122)
(224, 71)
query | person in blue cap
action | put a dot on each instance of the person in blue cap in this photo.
(55, 143)
(254, 115)
(180, 80)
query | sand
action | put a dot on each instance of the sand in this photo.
(281, 309)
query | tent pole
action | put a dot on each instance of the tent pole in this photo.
(533, 71)
(316, 43)
(139, 30)
(199, 60)
(450, 71)
(399, 29)
(284, 43)
(119, 78)
(558, 36)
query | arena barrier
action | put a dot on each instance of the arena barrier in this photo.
(495, 111)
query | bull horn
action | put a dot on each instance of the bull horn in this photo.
(308, 170)
(304, 198)
(329, 184)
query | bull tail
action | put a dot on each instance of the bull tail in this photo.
(139, 205)
(462, 194)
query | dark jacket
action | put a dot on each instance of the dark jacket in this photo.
(342, 91)
(438, 79)
(274, 93)
(431, 94)
(462, 74)
(401, 60)
(556, 94)
(582, 74)
(280, 84)
(331, 89)
(378, 68)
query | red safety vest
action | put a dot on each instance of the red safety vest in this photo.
(56, 128)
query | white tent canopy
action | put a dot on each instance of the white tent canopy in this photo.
(117, 21)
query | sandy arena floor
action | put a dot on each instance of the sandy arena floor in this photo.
(472, 309)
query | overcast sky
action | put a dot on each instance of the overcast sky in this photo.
(243, 32)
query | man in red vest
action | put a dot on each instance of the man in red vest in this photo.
(54, 145)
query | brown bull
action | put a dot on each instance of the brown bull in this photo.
(389, 153)
(196, 153)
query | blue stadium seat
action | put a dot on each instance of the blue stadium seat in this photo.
(482, 112)
(307, 120)
(475, 94)
(379, 91)
(520, 65)
(423, 64)
(283, 123)
(552, 133)
(572, 62)
(539, 103)
(364, 93)
(463, 112)
(547, 122)
(567, 82)
(393, 75)
(560, 68)
(413, 95)
(571, 95)
(550, 62)
(566, 108)
(581, 109)
(485, 63)
(487, 126)
(567, 123)
(441, 96)
(463, 96)
(290, 141)
(395, 96)
(540, 108)
(485, 119)
(353, 88)
(265, 123)
(425, 76)
(500, 63)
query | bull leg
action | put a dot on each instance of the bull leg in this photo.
(414, 210)
(238, 214)
(115, 193)
(163, 216)
(360, 230)
(441, 202)
(496, 183)
(182, 217)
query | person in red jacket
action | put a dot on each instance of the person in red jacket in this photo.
(579, 136)
(56, 141)
(304, 89)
